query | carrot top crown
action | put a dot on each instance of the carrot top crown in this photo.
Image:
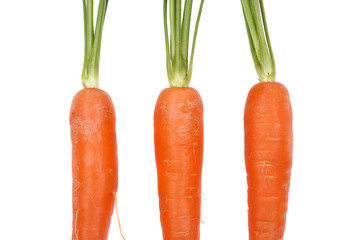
(90, 72)
(179, 67)
(259, 41)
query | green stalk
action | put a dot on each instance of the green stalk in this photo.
(173, 27)
(90, 72)
(179, 69)
(190, 68)
(186, 29)
(178, 64)
(259, 40)
(168, 52)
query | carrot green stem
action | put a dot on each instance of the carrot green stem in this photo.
(186, 29)
(259, 40)
(190, 68)
(179, 68)
(90, 72)
(173, 26)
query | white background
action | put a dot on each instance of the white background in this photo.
(316, 49)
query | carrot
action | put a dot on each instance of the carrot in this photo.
(178, 131)
(268, 154)
(93, 137)
(94, 163)
(178, 124)
(268, 135)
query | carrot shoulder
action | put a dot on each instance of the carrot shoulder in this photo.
(178, 134)
(268, 157)
(94, 163)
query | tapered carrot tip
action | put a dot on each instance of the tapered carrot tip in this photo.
(178, 133)
(94, 163)
(268, 156)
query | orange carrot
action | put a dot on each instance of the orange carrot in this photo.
(268, 134)
(268, 154)
(178, 124)
(94, 163)
(178, 131)
(93, 137)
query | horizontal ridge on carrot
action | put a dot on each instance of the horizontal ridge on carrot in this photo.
(93, 137)
(178, 132)
(268, 135)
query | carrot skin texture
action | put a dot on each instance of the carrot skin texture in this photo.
(94, 163)
(178, 135)
(268, 157)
